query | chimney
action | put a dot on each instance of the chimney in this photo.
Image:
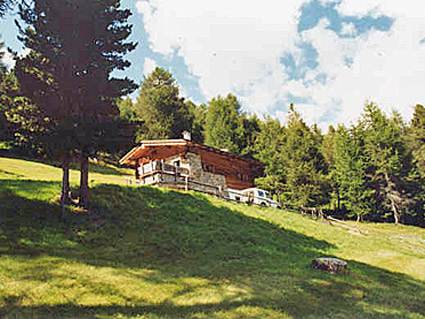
(187, 136)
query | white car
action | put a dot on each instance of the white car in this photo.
(254, 196)
(260, 197)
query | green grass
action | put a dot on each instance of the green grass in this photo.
(154, 253)
(20, 169)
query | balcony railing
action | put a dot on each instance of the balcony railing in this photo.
(158, 166)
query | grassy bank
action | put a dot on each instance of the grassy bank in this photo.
(154, 253)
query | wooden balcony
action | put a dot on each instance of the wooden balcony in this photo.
(158, 173)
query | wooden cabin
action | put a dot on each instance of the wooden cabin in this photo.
(180, 163)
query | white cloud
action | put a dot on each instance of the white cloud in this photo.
(236, 46)
(149, 66)
(348, 29)
(387, 67)
(8, 60)
(408, 8)
(232, 46)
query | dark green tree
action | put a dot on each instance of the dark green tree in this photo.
(75, 46)
(267, 148)
(349, 170)
(224, 125)
(22, 122)
(163, 112)
(197, 116)
(391, 162)
(417, 138)
(305, 179)
(251, 127)
(126, 109)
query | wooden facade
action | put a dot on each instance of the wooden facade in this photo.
(239, 173)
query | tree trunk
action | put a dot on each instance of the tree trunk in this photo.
(395, 212)
(338, 203)
(66, 189)
(85, 195)
(393, 204)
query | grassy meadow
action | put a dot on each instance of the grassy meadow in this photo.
(152, 253)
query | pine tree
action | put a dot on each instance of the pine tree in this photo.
(164, 113)
(224, 125)
(23, 122)
(251, 126)
(417, 138)
(267, 147)
(304, 164)
(350, 171)
(389, 158)
(197, 116)
(75, 46)
(126, 109)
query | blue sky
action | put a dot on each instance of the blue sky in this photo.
(327, 57)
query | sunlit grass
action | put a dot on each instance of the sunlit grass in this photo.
(155, 253)
(11, 168)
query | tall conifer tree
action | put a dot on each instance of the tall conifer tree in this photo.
(389, 158)
(161, 109)
(223, 124)
(76, 44)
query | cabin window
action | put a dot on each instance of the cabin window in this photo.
(208, 168)
(177, 163)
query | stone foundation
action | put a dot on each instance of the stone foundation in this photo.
(198, 179)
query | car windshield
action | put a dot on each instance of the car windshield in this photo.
(260, 193)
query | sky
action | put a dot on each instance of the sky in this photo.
(326, 57)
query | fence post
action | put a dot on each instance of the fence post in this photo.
(162, 169)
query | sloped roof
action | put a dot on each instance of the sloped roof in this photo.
(161, 149)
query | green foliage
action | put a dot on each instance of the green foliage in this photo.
(389, 158)
(328, 146)
(75, 45)
(126, 109)
(163, 112)
(350, 165)
(304, 163)
(268, 145)
(23, 122)
(197, 116)
(251, 126)
(224, 125)
(417, 138)
(145, 252)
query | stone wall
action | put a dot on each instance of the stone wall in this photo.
(198, 180)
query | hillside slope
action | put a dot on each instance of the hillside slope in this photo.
(142, 252)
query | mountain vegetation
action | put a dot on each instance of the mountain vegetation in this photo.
(143, 252)
(61, 102)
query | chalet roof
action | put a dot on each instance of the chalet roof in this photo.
(158, 149)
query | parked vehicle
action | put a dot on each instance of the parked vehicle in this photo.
(253, 196)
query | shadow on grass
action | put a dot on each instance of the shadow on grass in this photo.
(185, 236)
